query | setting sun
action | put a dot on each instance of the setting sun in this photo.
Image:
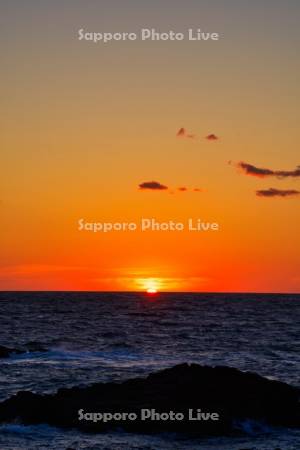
(151, 285)
(151, 291)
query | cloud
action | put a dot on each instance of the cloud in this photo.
(249, 169)
(288, 173)
(185, 189)
(260, 172)
(212, 137)
(272, 192)
(183, 133)
(153, 186)
(156, 186)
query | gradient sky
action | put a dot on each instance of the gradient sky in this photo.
(82, 125)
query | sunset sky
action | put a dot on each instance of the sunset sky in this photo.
(84, 124)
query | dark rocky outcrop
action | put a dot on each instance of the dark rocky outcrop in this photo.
(233, 394)
(6, 352)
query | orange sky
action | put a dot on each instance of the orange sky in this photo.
(83, 125)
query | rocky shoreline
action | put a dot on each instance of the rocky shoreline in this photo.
(232, 395)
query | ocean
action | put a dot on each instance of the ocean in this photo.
(80, 338)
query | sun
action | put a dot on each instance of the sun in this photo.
(149, 285)
(151, 290)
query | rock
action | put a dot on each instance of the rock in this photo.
(33, 346)
(5, 352)
(227, 392)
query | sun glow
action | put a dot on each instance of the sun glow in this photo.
(151, 285)
(151, 291)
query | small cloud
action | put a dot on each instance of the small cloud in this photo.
(288, 173)
(212, 137)
(153, 186)
(156, 186)
(272, 192)
(183, 133)
(262, 172)
(254, 171)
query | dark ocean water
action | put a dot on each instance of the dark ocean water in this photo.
(82, 338)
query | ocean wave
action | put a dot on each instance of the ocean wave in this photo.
(252, 427)
(14, 428)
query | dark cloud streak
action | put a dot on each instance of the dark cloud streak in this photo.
(211, 137)
(272, 192)
(183, 133)
(259, 172)
(153, 186)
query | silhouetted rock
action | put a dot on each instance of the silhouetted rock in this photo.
(5, 352)
(228, 392)
(34, 346)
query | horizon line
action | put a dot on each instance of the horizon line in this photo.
(145, 292)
